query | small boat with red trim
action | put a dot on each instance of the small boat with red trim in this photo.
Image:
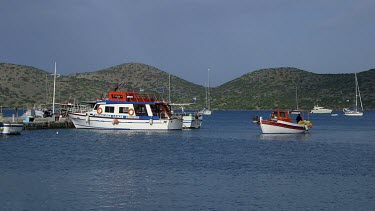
(128, 111)
(281, 122)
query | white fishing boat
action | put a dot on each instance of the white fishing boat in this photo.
(191, 120)
(207, 109)
(280, 122)
(8, 127)
(355, 111)
(128, 111)
(320, 110)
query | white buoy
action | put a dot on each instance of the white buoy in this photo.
(57, 133)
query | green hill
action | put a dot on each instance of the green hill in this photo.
(276, 88)
(23, 86)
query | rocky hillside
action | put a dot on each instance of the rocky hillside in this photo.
(23, 86)
(276, 88)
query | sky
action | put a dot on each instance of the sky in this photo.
(188, 37)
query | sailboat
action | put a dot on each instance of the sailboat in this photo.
(296, 110)
(207, 109)
(355, 111)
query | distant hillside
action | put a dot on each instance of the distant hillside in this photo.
(138, 76)
(23, 86)
(276, 88)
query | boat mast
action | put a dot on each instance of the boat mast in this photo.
(359, 93)
(169, 87)
(208, 91)
(297, 97)
(356, 92)
(54, 90)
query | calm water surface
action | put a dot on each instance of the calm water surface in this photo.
(225, 165)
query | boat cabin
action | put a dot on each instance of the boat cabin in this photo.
(132, 104)
(281, 115)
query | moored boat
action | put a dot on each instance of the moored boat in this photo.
(128, 111)
(8, 127)
(320, 110)
(281, 122)
(355, 111)
(207, 109)
(191, 120)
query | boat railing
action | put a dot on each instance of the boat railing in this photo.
(79, 109)
(144, 97)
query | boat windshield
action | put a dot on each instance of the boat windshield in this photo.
(96, 106)
(282, 115)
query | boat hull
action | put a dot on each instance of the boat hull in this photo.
(192, 121)
(281, 127)
(207, 112)
(348, 112)
(10, 128)
(353, 114)
(295, 112)
(81, 121)
(322, 111)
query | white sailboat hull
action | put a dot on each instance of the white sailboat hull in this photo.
(80, 120)
(352, 113)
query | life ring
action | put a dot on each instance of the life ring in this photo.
(131, 111)
(99, 110)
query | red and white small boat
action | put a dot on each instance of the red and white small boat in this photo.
(281, 122)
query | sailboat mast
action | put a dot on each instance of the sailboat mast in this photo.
(169, 87)
(54, 91)
(359, 92)
(356, 92)
(208, 91)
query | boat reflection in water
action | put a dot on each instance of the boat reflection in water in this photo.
(285, 137)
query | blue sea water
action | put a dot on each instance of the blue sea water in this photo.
(226, 165)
